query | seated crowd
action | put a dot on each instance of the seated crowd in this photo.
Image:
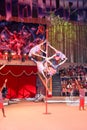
(15, 45)
(68, 77)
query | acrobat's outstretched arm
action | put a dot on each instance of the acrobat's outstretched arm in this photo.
(2, 66)
(43, 43)
(39, 55)
(33, 60)
(63, 61)
(43, 51)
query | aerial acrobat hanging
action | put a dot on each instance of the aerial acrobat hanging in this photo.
(47, 64)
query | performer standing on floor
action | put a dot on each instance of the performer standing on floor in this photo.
(4, 89)
(81, 95)
(1, 103)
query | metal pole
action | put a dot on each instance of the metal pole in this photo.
(46, 98)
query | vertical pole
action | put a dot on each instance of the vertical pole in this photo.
(46, 97)
(46, 74)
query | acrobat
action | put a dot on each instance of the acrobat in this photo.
(36, 50)
(46, 66)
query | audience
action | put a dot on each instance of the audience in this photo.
(17, 44)
(68, 76)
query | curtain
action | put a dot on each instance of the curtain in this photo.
(21, 80)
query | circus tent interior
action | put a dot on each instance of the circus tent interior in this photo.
(20, 71)
(43, 64)
(25, 23)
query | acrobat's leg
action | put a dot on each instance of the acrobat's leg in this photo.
(39, 55)
(3, 111)
(43, 74)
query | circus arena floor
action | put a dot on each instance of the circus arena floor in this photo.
(25, 115)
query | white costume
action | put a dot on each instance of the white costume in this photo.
(46, 65)
(35, 49)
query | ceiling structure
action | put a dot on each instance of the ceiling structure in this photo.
(42, 8)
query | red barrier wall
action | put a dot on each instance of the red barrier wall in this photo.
(21, 80)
